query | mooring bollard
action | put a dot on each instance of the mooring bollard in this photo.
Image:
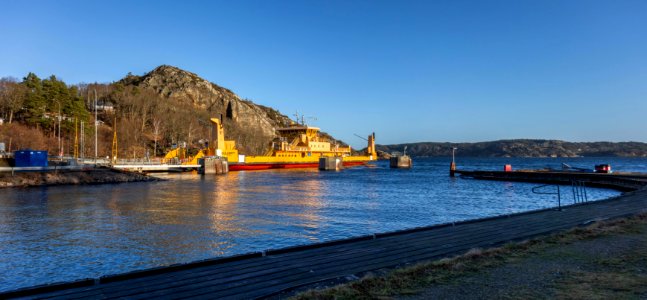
(214, 165)
(330, 163)
(401, 162)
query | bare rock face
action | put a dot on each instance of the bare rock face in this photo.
(251, 125)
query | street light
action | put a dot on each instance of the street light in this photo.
(96, 128)
(452, 166)
(82, 129)
(60, 149)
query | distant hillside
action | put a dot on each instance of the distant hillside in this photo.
(522, 148)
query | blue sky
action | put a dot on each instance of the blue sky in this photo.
(409, 70)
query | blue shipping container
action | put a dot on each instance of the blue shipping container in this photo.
(30, 158)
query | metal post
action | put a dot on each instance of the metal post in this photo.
(82, 152)
(96, 128)
(559, 199)
(559, 193)
(60, 150)
(452, 166)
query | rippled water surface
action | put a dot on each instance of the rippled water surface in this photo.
(53, 234)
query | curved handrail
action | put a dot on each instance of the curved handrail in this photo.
(558, 193)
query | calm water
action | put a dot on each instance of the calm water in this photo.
(55, 234)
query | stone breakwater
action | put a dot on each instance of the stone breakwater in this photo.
(95, 176)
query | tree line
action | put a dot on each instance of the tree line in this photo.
(37, 113)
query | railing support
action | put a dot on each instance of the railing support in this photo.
(579, 191)
(558, 193)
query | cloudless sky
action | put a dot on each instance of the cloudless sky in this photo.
(409, 70)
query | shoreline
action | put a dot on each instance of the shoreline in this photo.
(332, 259)
(70, 177)
(377, 251)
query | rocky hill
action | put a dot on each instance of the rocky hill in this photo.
(149, 114)
(251, 125)
(523, 148)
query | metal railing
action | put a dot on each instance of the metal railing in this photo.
(579, 191)
(558, 193)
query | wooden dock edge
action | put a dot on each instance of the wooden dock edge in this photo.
(620, 182)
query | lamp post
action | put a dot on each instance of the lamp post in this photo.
(82, 129)
(452, 166)
(60, 148)
(96, 128)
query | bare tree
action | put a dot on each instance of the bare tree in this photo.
(158, 123)
(12, 97)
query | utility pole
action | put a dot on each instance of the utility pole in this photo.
(96, 128)
(82, 152)
(76, 138)
(114, 142)
(60, 148)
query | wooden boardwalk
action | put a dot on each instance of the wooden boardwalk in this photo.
(280, 272)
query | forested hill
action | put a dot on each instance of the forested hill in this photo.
(150, 114)
(522, 148)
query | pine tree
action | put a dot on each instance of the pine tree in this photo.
(35, 105)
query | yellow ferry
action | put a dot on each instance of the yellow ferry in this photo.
(298, 146)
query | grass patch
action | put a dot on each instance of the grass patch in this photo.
(577, 285)
(602, 285)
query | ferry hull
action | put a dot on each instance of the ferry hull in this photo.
(267, 166)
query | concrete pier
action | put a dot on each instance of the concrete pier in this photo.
(331, 163)
(214, 165)
(400, 162)
(148, 168)
(619, 181)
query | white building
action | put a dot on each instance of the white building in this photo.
(104, 106)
